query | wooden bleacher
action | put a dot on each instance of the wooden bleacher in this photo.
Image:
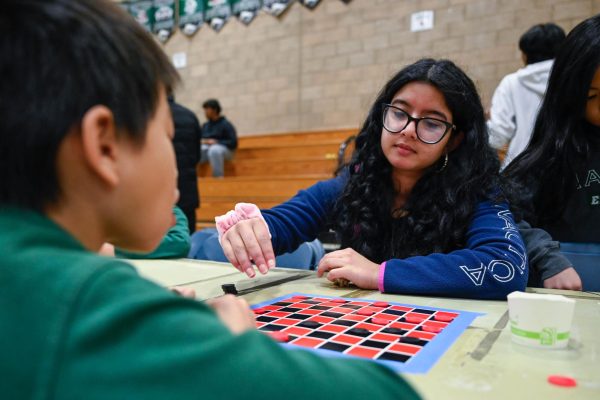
(269, 169)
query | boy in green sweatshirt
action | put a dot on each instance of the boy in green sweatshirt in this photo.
(86, 158)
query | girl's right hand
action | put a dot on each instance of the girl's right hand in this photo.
(249, 240)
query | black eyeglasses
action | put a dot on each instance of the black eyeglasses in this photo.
(431, 131)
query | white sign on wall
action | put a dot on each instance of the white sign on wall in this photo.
(180, 60)
(421, 21)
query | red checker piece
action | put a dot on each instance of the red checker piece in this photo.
(413, 319)
(365, 311)
(443, 318)
(307, 342)
(380, 304)
(432, 329)
(363, 352)
(561, 380)
(339, 301)
(280, 336)
(380, 321)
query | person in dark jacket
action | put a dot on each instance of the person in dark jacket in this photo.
(219, 139)
(186, 144)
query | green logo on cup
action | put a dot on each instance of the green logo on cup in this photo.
(548, 336)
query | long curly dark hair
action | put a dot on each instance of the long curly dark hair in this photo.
(542, 177)
(437, 214)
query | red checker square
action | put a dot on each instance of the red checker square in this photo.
(333, 328)
(366, 311)
(299, 298)
(271, 308)
(389, 317)
(278, 314)
(402, 325)
(302, 305)
(413, 320)
(260, 324)
(354, 317)
(384, 337)
(341, 310)
(286, 321)
(307, 342)
(422, 335)
(360, 303)
(363, 352)
(400, 308)
(339, 301)
(309, 312)
(321, 299)
(347, 339)
(296, 330)
(417, 315)
(369, 327)
(405, 348)
(380, 304)
(440, 325)
(321, 319)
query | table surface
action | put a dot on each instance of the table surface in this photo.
(483, 362)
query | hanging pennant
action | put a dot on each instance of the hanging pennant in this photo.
(310, 3)
(164, 19)
(245, 10)
(276, 7)
(142, 12)
(191, 16)
(216, 13)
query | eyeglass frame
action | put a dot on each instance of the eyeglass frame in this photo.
(449, 126)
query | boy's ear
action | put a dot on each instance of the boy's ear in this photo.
(100, 145)
(454, 141)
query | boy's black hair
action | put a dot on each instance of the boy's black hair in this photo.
(212, 103)
(541, 42)
(59, 59)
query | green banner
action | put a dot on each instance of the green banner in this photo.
(245, 10)
(216, 13)
(276, 7)
(164, 19)
(310, 3)
(143, 13)
(191, 16)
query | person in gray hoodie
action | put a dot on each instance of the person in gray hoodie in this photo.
(518, 96)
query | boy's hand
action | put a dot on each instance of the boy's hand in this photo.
(107, 249)
(350, 265)
(249, 240)
(567, 279)
(184, 291)
(234, 312)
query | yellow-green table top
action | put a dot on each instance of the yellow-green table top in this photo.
(483, 363)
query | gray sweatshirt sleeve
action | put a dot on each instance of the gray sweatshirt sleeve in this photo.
(545, 258)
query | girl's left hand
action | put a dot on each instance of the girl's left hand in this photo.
(350, 265)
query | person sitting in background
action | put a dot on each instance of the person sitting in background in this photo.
(517, 99)
(556, 180)
(86, 158)
(219, 139)
(419, 209)
(187, 152)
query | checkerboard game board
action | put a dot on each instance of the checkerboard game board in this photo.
(407, 338)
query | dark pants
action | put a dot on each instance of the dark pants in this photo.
(190, 213)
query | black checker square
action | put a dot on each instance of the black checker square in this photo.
(332, 314)
(334, 346)
(374, 343)
(413, 340)
(394, 312)
(351, 306)
(299, 316)
(282, 303)
(272, 327)
(310, 302)
(319, 308)
(264, 318)
(423, 311)
(344, 322)
(394, 357)
(394, 331)
(321, 335)
(289, 309)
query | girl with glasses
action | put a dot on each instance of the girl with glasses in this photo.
(417, 210)
(556, 180)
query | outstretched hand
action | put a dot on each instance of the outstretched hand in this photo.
(234, 312)
(350, 265)
(248, 241)
(567, 279)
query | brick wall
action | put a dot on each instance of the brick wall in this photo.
(320, 69)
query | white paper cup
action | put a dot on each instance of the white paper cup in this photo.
(540, 320)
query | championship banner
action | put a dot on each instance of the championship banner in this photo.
(276, 7)
(216, 13)
(245, 10)
(164, 19)
(310, 3)
(142, 12)
(191, 16)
